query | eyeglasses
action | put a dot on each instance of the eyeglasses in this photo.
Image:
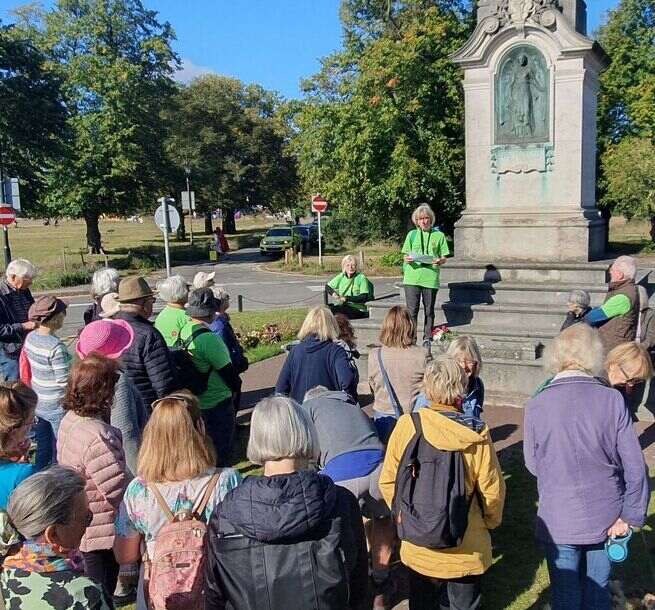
(629, 381)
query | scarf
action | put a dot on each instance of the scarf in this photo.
(41, 558)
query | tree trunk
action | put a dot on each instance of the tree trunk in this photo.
(181, 230)
(229, 224)
(208, 223)
(93, 237)
(652, 228)
(606, 215)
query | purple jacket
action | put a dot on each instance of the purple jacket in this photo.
(580, 444)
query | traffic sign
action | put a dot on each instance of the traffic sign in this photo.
(173, 218)
(7, 216)
(319, 204)
(186, 206)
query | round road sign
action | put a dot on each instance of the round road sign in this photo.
(173, 218)
(319, 204)
(7, 215)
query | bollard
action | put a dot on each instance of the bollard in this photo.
(361, 261)
(300, 258)
(239, 302)
(325, 296)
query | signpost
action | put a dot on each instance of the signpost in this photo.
(319, 205)
(189, 205)
(167, 219)
(7, 217)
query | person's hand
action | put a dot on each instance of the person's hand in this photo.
(30, 325)
(619, 529)
(408, 258)
(438, 262)
(342, 299)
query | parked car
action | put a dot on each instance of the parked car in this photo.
(309, 235)
(279, 239)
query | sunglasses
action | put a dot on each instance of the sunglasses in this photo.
(629, 381)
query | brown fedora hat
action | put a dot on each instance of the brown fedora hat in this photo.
(133, 289)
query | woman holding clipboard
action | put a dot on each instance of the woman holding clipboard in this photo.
(425, 250)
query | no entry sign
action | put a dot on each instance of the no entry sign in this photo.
(319, 204)
(7, 216)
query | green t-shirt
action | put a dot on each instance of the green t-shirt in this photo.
(352, 287)
(169, 322)
(208, 350)
(424, 243)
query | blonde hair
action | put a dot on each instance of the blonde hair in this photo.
(465, 346)
(578, 348)
(175, 446)
(347, 259)
(423, 208)
(320, 322)
(17, 407)
(632, 359)
(445, 381)
(398, 328)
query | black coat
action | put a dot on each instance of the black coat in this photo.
(11, 319)
(286, 541)
(148, 362)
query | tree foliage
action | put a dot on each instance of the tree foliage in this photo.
(382, 129)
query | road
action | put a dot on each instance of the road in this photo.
(241, 273)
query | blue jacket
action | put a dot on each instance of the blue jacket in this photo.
(222, 328)
(311, 363)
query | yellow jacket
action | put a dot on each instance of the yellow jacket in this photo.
(483, 471)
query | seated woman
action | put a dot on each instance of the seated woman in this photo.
(45, 520)
(578, 306)
(266, 524)
(593, 484)
(351, 288)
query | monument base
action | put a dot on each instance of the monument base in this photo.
(527, 237)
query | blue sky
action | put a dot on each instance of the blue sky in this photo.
(272, 42)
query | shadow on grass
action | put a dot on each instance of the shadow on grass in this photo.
(642, 246)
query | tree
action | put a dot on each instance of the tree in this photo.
(32, 114)
(235, 140)
(383, 126)
(115, 62)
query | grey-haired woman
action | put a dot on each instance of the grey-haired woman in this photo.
(44, 523)
(578, 307)
(103, 282)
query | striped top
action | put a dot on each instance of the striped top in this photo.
(50, 363)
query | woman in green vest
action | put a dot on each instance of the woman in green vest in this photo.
(425, 250)
(352, 289)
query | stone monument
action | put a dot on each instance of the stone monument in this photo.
(530, 85)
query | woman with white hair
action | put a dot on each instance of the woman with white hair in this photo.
(580, 444)
(425, 250)
(351, 288)
(317, 359)
(266, 524)
(578, 307)
(46, 518)
(103, 282)
(15, 302)
(174, 291)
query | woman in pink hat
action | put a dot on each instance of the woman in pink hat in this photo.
(111, 338)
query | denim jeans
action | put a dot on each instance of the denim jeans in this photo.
(579, 576)
(8, 367)
(220, 424)
(44, 434)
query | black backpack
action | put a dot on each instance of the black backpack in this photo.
(187, 372)
(430, 505)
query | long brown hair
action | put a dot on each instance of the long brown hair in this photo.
(398, 328)
(175, 446)
(91, 385)
(17, 406)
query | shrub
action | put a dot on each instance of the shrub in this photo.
(393, 259)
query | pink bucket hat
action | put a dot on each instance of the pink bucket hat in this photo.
(110, 338)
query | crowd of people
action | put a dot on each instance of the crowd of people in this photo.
(115, 465)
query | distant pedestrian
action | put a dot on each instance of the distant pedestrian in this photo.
(49, 363)
(147, 362)
(174, 291)
(221, 245)
(103, 282)
(89, 444)
(425, 250)
(352, 290)
(317, 359)
(15, 302)
(578, 307)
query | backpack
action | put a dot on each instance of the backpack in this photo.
(430, 506)
(174, 574)
(194, 380)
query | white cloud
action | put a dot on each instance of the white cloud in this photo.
(189, 71)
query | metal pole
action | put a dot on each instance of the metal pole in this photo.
(5, 230)
(239, 302)
(191, 206)
(167, 228)
(320, 246)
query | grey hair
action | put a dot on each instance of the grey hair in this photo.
(21, 267)
(44, 499)
(319, 390)
(173, 289)
(348, 258)
(280, 428)
(104, 281)
(626, 265)
(579, 300)
(220, 293)
(578, 348)
(424, 207)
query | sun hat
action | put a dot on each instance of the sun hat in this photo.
(134, 288)
(202, 279)
(202, 303)
(109, 305)
(45, 308)
(110, 338)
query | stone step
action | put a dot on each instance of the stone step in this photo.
(540, 316)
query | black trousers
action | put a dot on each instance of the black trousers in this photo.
(102, 567)
(413, 297)
(425, 592)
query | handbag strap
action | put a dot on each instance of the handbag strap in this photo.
(170, 517)
(393, 397)
(204, 495)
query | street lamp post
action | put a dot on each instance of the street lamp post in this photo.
(5, 230)
(187, 171)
